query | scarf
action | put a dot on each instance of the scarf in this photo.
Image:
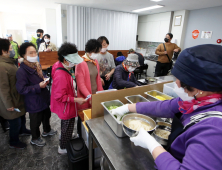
(36, 66)
(124, 66)
(86, 58)
(187, 107)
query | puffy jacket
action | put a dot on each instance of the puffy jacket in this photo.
(36, 99)
(62, 93)
(120, 79)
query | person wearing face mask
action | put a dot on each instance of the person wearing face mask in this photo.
(12, 107)
(47, 46)
(164, 62)
(123, 76)
(40, 39)
(63, 94)
(15, 48)
(106, 63)
(31, 83)
(195, 140)
(87, 73)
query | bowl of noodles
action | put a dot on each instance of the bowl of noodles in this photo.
(133, 122)
(162, 132)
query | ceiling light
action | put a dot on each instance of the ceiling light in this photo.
(156, 0)
(148, 8)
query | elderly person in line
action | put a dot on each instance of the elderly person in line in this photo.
(31, 83)
(87, 73)
(124, 76)
(12, 106)
(195, 139)
(63, 95)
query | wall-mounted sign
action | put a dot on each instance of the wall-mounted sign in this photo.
(206, 34)
(177, 21)
(195, 34)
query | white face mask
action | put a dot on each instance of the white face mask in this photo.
(131, 69)
(93, 56)
(20, 60)
(70, 65)
(47, 40)
(182, 94)
(32, 59)
(103, 50)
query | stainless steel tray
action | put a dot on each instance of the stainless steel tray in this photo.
(151, 95)
(113, 123)
(136, 99)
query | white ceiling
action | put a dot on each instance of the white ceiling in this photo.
(117, 5)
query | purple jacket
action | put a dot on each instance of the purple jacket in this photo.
(36, 99)
(199, 146)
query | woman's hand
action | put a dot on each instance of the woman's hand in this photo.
(79, 100)
(42, 84)
(11, 109)
(103, 84)
(108, 75)
(145, 140)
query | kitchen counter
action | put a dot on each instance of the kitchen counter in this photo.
(120, 153)
(160, 79)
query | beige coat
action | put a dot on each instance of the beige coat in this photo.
(50, 46)
(9, 97)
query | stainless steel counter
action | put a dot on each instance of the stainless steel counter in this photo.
(160, 79)
(120, 153)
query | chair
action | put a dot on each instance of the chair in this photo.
(141, 70)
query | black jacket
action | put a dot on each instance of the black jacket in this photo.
(38, 41)
(120, 77)
(141, 59)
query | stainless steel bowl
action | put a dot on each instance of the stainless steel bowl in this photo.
(135, 116)
(151, 79)
(161, 125)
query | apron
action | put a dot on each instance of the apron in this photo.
(178, 128)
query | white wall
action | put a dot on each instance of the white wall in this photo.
(18, 21)
(153, 27)
(51, 29)
(64, 25)
(208, 19)
(180, 31)
(59, 25)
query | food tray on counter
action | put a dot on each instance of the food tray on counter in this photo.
(113, 123)
(136, 99)
(155, 95)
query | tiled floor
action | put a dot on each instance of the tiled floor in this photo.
(33, 157)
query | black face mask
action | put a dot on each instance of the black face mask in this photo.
(166, 39)
(38, 35)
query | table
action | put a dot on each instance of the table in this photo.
(120, 153)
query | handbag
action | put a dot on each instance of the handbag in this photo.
(171, 62)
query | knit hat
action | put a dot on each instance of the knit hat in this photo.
(132, 60)
(200, 67)
(130, 51)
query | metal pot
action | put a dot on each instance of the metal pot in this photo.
(161, 125)
(135, 116)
